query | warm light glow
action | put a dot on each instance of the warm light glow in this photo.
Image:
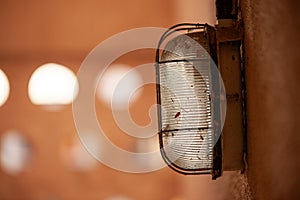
(52, 84)
(118, 197)
(15, 152)
(80, 158)
(118, 84)
(76, 157)
(4, 88)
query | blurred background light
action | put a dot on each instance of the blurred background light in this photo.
(117, 86)
(118, 197)
(4, 88)
(52, 84)
(15, 152)
(75, 155)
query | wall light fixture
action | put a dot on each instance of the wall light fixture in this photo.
(195, 64)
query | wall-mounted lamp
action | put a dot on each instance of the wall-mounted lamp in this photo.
(195, 63)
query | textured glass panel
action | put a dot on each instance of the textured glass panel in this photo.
(186, 107)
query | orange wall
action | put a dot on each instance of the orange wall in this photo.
(272, 30)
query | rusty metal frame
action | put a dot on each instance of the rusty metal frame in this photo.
(216, 169)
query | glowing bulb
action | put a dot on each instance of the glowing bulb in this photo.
(4, 88)
(52, 84)
(118, 84)
(15, 152)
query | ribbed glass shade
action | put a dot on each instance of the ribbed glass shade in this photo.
(186, 116)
